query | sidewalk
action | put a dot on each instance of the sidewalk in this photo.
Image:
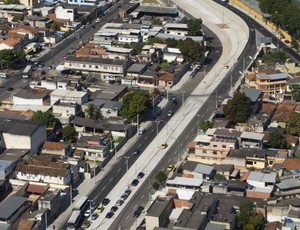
(88, 184)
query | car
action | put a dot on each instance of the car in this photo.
(140, 175)
(138, 211)
(87, 213)
(141, 130)
(136, 152)
(94, 205)
(74, 191)
(135, 182)
(173, 97)
(105, 201)
(10, 89)
(86, 224)
(97, 20)
(226, 66)
(94, 216)
(163, 145)
(127, 191)
(93, 27)
(124, 196)
(120, 202)
(170, 168)
(109, 215)
(170, 113)
(114, 208)
(193, 74)
(100, 208)
(82, 27)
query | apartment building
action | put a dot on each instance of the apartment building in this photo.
(271, 83)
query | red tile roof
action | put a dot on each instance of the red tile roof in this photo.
(54, 145)
(291, 163)
(268, 108)
(282, 112)
(37, 189)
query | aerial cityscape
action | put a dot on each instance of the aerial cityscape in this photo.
(150, 114)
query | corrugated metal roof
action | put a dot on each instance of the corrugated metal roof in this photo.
(185, 181)
(252, 135)
(204, 169)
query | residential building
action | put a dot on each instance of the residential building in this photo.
(133, 73)
(148, 54)
(130, 37)
(15, 43)
(184, 182)
(68, 96)
(200, 171)
(252, 140)
(166, 80)
(64, 111)
(212, 150)
(110, 93)
(156, 11)
(176, 29)
(128, 8)
(32, 33)
(32, 3)
(31, 97)
(255, 96)
(22, 134)
(111, 109)
(9, 11)
(38, 21)
(281, 115)
(56, 148)
(225, 170)
(51, 201)
(107, 68)
(287, 188)
(158, 213)
(271, 83)
(43, 168)
(173, 55)
(66, 13)
(11, 209)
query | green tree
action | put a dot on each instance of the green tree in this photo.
(277, 140)
(164, 64)
(194, 27)
(156, 185)
(293, 124)
(191, 50)
(47, 118)
(69, 133)
(54, 26)
(161, 177)
(11, 56)
(238, 109)
(295, 91)
(205, 125)
(18, 18)
(219, 177)
(134, 103)
(277, 56)
(156, 22)
(152, 40)
(93, 112)
(136, 48)
(171, 42)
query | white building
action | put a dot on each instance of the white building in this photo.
(68, 96)
(64, 111)
(173, 54)
(22, 134)
(66, 14)
(25, 97)
(180, 29)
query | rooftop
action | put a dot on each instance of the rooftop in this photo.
(252, 136)
(13, 154)
(253, 94)
(262, 177)
(30, 94)
(95, 60)
(18, 127)
(204, 169)
(10, 205)
(288, 184)
(273, 77)
(184, 181)
(158, 206)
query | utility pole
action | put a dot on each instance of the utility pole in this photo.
(137, 124)
(216, 99)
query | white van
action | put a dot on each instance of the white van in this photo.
(2, 75)
(141, 130)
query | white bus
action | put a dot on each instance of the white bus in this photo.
(74, 220)
(81, 204)
(27, 71)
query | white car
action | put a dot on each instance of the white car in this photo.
(87, 213)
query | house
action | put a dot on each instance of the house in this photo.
(291, 164)
(64, 111)
(12, 10)
(51, 201)
(95, 147)
(38, 21)
(133, 73)
(22, 134)
(278, 209)
(224, 169)
(252, 140)
(212, 150)
(148, 79)
(68, 96)
(108, 69)
(156, 11)
(184, 182)
(255, 96)
(166, 80)
(12, 208)
(56, 148)
(204, 172)
(15, 43)
(173, 55)
(287, 188)
(32, 33)
(8, 161)
(31, 97)
(111, 109)
(258, 123)
(158, 213)
(281, 115)
(176, 29)
(128, 8)
(66, 13)
(110, 93)
(271, 83)
(43, 168)
(261, 185)
(148, 54)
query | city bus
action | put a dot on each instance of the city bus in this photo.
(74, 220)
(27, 71)
(81, 204)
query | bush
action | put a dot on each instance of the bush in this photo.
(156, 185)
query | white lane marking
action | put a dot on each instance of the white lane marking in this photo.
(135, 207)
(142, 197)
(111, 179)
(139, 145)
(152, 130)
(127, 217)
(119, 170)
(103, 188)
(146, 137)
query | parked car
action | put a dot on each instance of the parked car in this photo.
(87, 213)
(10, 89)
(226, 66)
(170, 168)
(100, 208)
(114, 208)
(124, 196)
(94, 205)
(170, 113)
(163, 145)
(135, 182)
(120, 202)
(138, 211)
(94, 216)
(140, 175)
(86, 224)
(136, 152)
(105, 201)
(109, 215)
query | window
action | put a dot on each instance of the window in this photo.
(223, 146)
(204, 151)
(90, 66)
(215, 152)
(83, 65)
(215, 146)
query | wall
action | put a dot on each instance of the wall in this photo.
(38, 139)
(67, 14)
(25, 101)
